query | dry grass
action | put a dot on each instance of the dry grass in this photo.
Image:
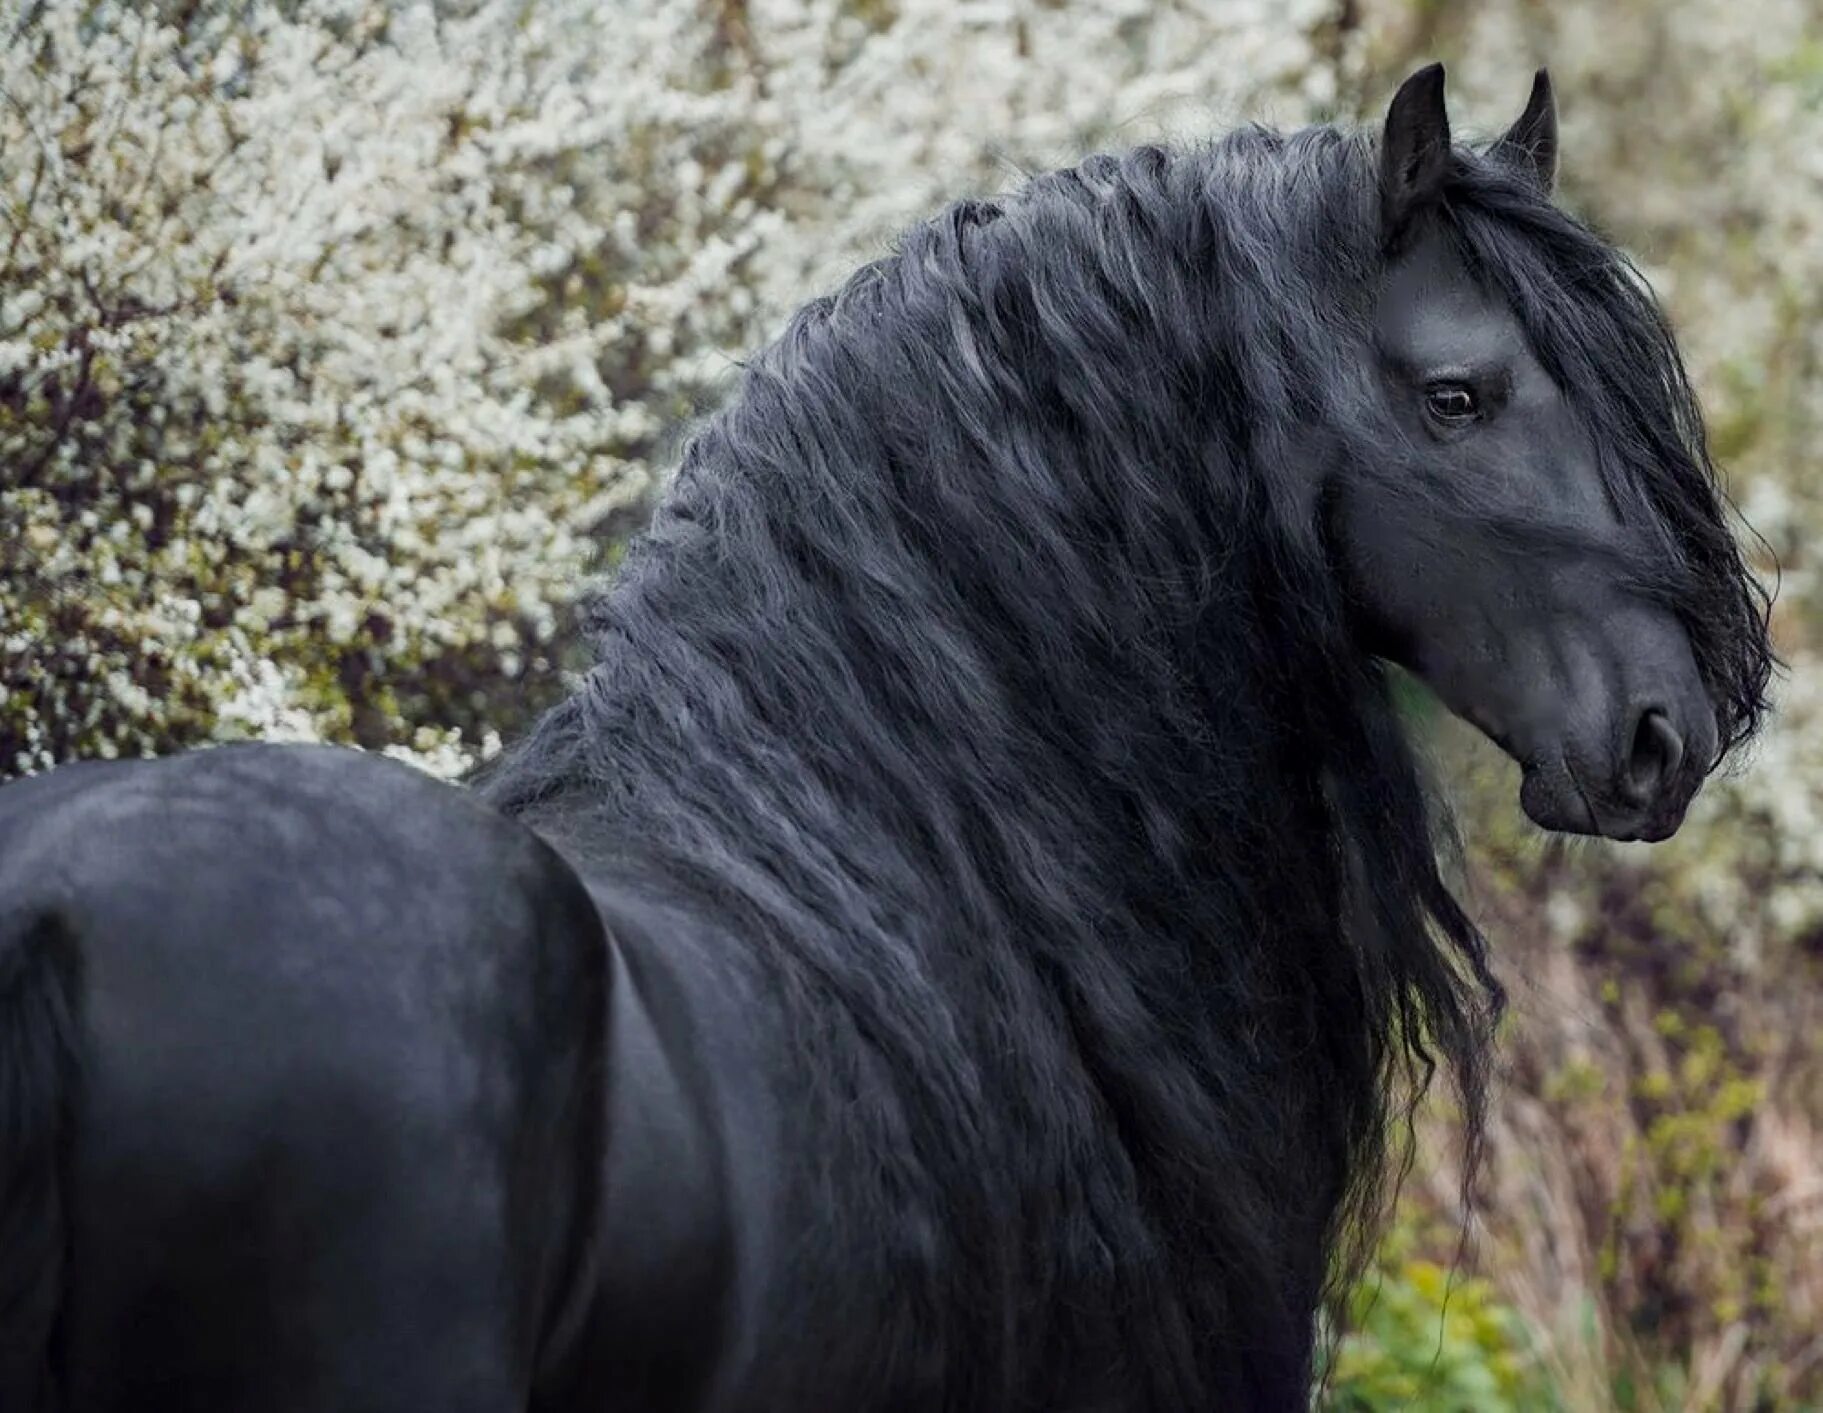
(1652, 1195)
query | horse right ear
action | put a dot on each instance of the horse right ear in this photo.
(1414, 152)
(1531, 143)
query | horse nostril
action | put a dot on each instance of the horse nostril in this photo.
(1653, 757)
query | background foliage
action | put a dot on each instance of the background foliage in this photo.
(339, 340)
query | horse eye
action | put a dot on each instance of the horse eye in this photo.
(1452, 402)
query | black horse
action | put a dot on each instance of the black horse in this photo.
(966, 944)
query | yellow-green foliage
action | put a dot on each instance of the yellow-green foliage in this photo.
(1421, 1340)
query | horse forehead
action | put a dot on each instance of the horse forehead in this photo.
(1432, 311)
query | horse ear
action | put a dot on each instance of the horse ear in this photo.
(1414, 152)
(1531, 143)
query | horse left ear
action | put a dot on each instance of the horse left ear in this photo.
(1414, 152)
(1531, 143)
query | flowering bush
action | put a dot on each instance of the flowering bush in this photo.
(332, 336)
(305, 434)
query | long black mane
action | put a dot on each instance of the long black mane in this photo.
(983, 688)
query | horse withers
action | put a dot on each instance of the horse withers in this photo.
(964, 943)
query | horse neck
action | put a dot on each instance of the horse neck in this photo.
(1002, 709)
(1026, 662)
(966, 787)
(990, 563)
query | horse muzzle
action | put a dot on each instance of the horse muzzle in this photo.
(1637, 785)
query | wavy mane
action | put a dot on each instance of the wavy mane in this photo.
(983, 687)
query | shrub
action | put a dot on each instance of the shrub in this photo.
(1421, 1340)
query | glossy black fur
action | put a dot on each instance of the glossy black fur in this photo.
(1020, 919)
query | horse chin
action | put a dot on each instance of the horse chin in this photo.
(1554, 799)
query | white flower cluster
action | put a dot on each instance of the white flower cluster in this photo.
(330, 333)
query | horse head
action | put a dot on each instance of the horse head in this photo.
(1533, 526)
